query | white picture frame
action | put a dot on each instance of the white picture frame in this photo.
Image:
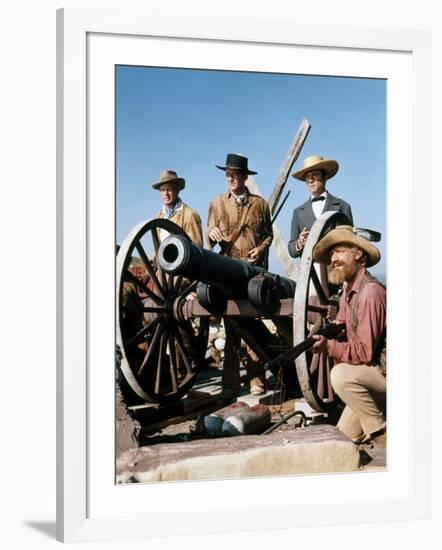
(87, 499)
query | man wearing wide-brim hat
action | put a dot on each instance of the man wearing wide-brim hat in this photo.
(359, 377)
(316, 172)
(240, 223)
(169, 185)
(237, 219)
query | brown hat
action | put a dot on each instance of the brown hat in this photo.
(329, 166)
(346, 235)
(169, 176)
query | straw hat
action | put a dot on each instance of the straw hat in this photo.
(344, 234)
(315, 162)
(169, 176)
(237, 162)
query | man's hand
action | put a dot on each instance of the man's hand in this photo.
(254, 255)
(322, 345)
(215, 234)
(300, 243)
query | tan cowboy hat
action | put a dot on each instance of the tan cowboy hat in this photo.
(169, 176)
(344, 234)
(329, 166)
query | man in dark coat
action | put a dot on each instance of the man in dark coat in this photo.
(315, 173)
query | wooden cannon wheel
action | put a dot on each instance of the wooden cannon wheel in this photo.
(158, 355)
(312, 304)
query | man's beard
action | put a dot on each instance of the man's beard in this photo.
(342, 273)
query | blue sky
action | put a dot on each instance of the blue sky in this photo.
(188, 120)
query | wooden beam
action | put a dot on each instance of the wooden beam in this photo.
(292, 155)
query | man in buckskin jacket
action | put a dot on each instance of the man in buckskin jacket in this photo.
(316, 172)
(238, 220)
(240, 223)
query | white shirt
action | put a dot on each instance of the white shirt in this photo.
(318, 206)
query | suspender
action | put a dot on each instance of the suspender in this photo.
(380, 357)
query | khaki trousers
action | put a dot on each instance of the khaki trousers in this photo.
(363, 390)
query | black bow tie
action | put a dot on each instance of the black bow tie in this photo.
(321, 198)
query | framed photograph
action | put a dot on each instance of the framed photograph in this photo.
(140, 98)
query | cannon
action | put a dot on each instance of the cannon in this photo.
(222, 278)
(163, 320)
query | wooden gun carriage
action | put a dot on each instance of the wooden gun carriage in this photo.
(161, 355)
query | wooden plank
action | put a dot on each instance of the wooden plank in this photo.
(290, 159)
(238, 308)
(190, 407)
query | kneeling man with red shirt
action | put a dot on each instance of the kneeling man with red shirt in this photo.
(359, 374)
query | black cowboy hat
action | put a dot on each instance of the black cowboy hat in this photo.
(236, 162)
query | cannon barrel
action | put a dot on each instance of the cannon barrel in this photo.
(179, 256)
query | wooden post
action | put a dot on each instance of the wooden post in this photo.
(292, 155)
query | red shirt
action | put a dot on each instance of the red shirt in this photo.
(361, 346)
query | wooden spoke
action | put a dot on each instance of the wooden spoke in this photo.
(163, 343)
(321, 292)
(182, 352)
(131, 277)
(156, 245)
(145, 309)
(323, 310)
(187, 328)
(315, 362)
(178, 283)
(173, 366)
(329, 384)
(326, 374)
(170, 283)
(141, 333)
(324, 359)
(150, 269)
(152, 347)
(315, 327)
(325, 389)
(188, 290)
(320, 387)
